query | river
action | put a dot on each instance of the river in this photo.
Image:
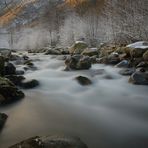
(110, 113)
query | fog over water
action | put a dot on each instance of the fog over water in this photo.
(111, 113)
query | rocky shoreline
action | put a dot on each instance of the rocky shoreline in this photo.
(131, 59)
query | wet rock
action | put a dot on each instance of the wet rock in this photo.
(78, 62)
(9, 91)
(28, 84)
(139, 78)
(127, 72)
(78, 47)
(145, 56)
(17, 80)
(83, 80)
(60, 141)
(2, 64)
(142, 64)
(90, 52)
(123, 64)
(3, 118)
(10, 69)
(141, 69)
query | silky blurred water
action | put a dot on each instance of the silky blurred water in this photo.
(110, 113)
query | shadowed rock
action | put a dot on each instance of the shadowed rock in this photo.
(83, 80)
(9, 92)
(60, 141)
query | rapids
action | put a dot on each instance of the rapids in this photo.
(110, 113)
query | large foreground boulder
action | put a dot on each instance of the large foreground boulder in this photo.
(3, 118)
(78, 62)
(60, 141)
(8, 91)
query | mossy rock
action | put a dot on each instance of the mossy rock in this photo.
(106, 51)
(9, 91)
(122, 50)
(78, 47)
(137, 52)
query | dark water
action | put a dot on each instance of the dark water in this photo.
(107, 114)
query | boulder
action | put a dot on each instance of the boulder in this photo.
(137, 52)
(124, 50)
(5, 52)
(9, 91)
(113, 58)
(123, 64)
(3, 118)
(135, 61)
(83, 80)
(142, 65)
(78, 47)
(78, 62)
(145, 56)
(138, 49)
(127, 71)
(28, 84)
(10, 69)
(90, 52)
(105, 51)
(59, 141)
(139, 78)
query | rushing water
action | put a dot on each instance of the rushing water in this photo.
(111, 113)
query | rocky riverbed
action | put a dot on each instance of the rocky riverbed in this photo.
(79, 91)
